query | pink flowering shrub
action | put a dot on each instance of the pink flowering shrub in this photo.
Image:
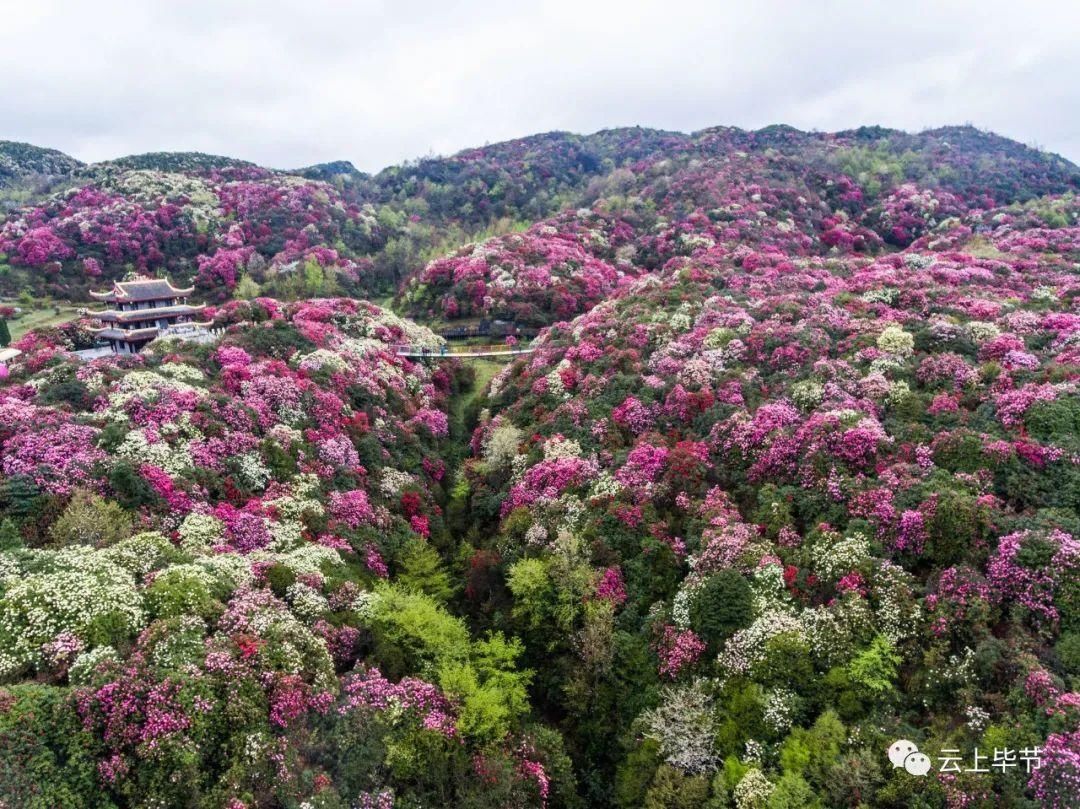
(677, 650)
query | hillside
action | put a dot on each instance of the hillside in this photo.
(177, 162)
(27, 171)
(787, 486)
(213, 220)
(21, 161)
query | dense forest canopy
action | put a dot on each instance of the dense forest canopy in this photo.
(787, 486)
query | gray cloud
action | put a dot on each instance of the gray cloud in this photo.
(291, 83)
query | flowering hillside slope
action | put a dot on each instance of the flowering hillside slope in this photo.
(21, 163)
(785, 510)
(789, 480)
(212, 227)
(220, 584)
(329, 229)
(779, 190)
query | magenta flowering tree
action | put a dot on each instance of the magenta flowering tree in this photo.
(678, 650)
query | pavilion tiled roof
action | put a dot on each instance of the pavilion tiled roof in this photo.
(142, 289)
(149, 314)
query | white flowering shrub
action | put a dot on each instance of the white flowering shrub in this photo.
(141, 553)
(309, 558)
(286, 534)
(137, 449)
(753, 790)
(779, 712)
(366, 603)
(746, 648)
(307, 603)
(82, 669)
(807, 394)
(894, 340)
(181, 372)
(85, 595)
(393, 481)
(833, 555)
(684, 725)
(251, 471)
(981, 332)
(230, 570)
(321, 359)
(898, 614)
(899, 392)
(200, 532)
(501, 445)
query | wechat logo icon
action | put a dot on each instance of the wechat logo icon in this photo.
(904, 753)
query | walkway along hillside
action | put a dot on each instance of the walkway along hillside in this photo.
(462, 351)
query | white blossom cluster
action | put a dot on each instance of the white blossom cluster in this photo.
(251, 471)
(308, 604)
(139, 554)
(501, 444)
(605, 485)
(85, 663)
(137, 448)
(807, 394)
(746, 648)
(886, 295)
(981, 332)
(833, 555)
(321, 359)
(684, 724)
(309, 558)
(558, 447)
(898, 614)
(181, 372)
(365, 604)
(82, 587)
(200, 532)
(753, 790)
(779, 710)
(393, 481)
(770, 592)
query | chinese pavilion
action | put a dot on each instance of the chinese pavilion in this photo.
(140, 310)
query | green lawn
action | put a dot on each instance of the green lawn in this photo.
(38, 318)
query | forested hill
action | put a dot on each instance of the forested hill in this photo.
(23, 165)
(786, 486)
(214, 220)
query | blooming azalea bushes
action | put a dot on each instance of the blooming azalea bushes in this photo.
(200, 563)
(791, 472)
(840, 494)
(211, 225)
(553, 271)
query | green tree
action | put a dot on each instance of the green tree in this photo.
(792, 792)
(314, 279)
(90, 519)
(130, 487)
(5, 333)
(874, 669)
(9, 535)
(673, 789)
(246, 289)
(722, 606)
(422, 571)
(47, 760)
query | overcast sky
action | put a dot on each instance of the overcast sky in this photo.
(288, 83)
